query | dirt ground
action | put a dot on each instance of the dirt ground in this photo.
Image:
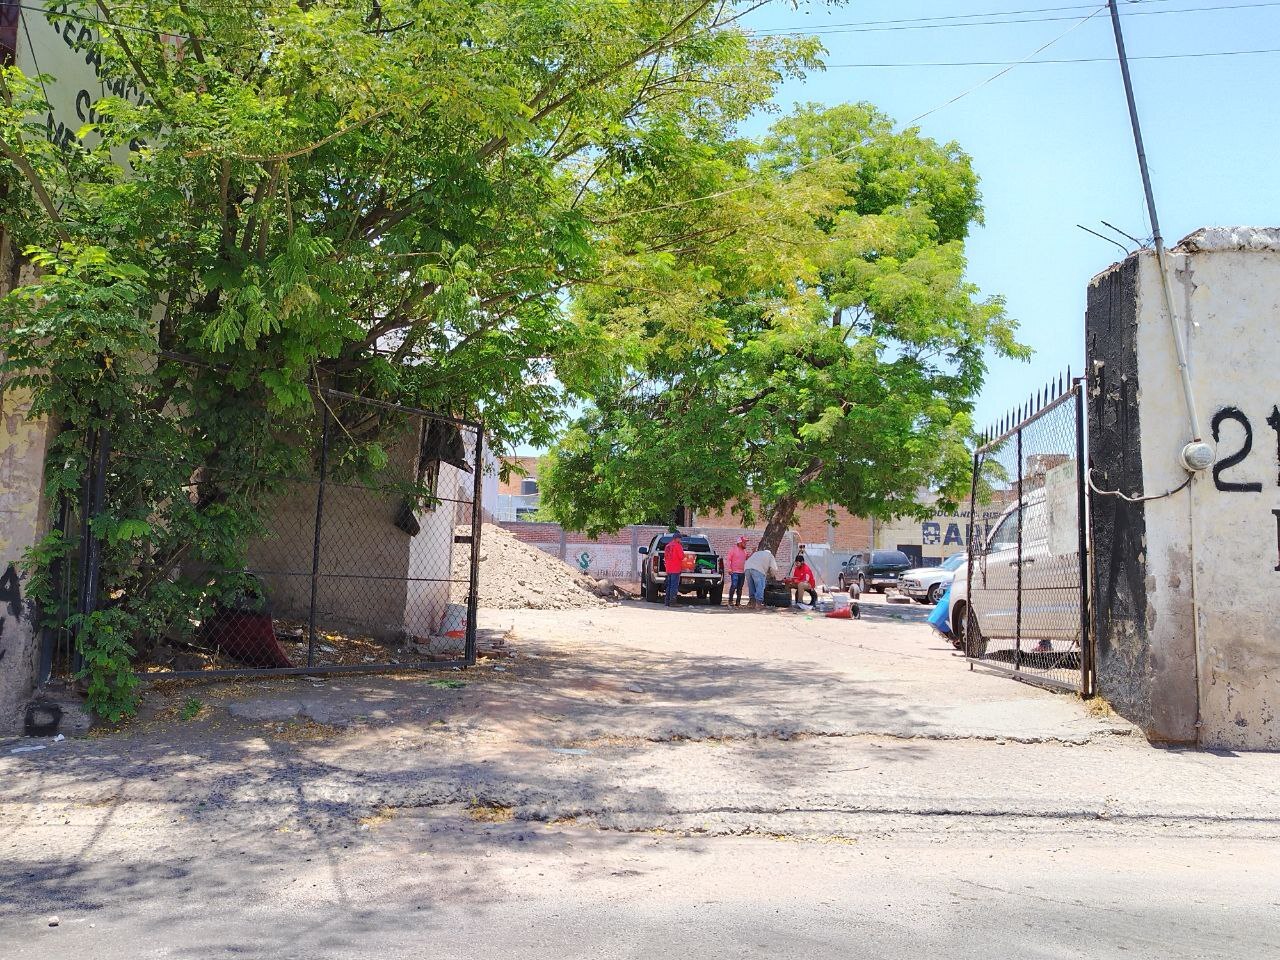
(621, 781)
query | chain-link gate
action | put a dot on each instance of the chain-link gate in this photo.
(1025, 602)
(355, 567)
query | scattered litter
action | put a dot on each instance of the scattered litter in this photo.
(59, 738)
(500, 669)
(54, 921)
(571, 751)
(37, 746)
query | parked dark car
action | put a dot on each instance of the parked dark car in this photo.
(875, 570)
(706, 579)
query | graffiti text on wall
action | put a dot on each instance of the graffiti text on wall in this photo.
(10, 602)
(1230, 461)
(932, 534)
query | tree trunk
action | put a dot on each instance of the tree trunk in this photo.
(783, 510)
(780, 515)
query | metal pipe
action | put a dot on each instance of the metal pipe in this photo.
(1188, 392)
(315, 545)
(473, 595)
(1022, 513)
(973, 553)
(1087, 671)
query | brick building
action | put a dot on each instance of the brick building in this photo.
(840, 530)
(518, 495)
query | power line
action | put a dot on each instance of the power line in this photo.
(755, 182)
(951, 16)
(869, 26)
(1005, 63)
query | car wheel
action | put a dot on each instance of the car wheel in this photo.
(862, 584)
(921, 599)
(651, 591)
(975, 643)
(717, 595)
(935, 593)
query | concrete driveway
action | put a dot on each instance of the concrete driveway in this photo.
(641, 782)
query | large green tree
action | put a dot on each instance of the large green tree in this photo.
(827, 349)
(390, 197)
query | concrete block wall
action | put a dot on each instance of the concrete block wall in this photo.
(1187, 586)
(22, 521)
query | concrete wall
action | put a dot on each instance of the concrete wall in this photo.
(839, 529)
(1188, 601)
(375, 579)
(22, 522)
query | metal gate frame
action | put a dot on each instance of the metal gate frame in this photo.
(1014, 426)
(79, 588)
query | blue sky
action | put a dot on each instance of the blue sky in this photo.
(1052, 142)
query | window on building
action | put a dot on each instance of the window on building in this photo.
(529, 487)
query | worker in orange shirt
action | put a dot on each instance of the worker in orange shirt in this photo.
(672, 565)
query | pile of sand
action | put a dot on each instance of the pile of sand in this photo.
(516, 576)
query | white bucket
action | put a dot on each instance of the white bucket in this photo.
(454, 623)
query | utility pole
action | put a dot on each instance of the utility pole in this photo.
(1188, 393)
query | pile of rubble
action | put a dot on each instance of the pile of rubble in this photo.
(515, 576)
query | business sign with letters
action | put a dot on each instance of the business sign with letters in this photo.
(59, 44)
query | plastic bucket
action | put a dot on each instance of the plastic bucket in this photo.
(454, 623)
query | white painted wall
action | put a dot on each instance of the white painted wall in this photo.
(1227, 292)
(431, 557)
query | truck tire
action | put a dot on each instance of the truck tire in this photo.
(717, 594)
(651, 591)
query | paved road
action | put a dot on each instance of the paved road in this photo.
(642, 782)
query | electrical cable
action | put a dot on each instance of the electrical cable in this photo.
(824, 31)
(1128, 499)
(953, 16)
(856, 146)
(1002, 63)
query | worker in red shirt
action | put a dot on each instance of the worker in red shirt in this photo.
(672, 565)
(803, 580)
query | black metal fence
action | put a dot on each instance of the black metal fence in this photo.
(356, 566)
(1026, 608)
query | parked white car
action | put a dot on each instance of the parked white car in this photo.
(927, 584)
(984, 606)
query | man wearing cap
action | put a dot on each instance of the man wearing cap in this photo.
(735, 564)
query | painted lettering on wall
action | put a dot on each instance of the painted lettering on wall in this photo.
(931, 533)
(10, 602)
(1232, 460)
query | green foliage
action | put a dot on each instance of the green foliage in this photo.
(389, 198)
(191, 709)
(824, 349)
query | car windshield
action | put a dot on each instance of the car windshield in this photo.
(953, 562)
(691, 544)
(890, 557)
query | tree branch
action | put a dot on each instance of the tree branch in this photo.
(19, 160)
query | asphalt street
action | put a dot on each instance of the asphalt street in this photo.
(641, 782)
